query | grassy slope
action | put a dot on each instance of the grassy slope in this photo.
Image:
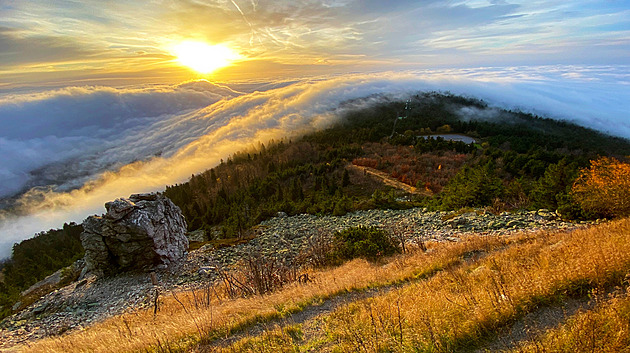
(454, 297)
(604, 329)
(463, 307)
(306, 176)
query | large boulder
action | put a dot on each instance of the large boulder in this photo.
(144, 231)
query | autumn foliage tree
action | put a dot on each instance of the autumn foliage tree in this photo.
(604, 188)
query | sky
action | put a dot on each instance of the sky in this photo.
(96, 102)
(121, 42)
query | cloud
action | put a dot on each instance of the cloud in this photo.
(18, 49)
(150, 137)
(55, 137)
(57, 42)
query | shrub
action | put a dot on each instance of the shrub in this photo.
(365, 242)
(604, 188)
(473, 186)
(551, 190)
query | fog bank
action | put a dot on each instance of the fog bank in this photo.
(76, 148)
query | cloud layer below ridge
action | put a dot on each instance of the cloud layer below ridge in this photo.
(81, 147)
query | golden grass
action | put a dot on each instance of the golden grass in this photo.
(453, 304)
(185, 320)
(288, 339)
(606, 329)
(462, 307)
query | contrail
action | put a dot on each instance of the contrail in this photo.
(251, 37)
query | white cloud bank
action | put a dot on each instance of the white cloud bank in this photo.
(86, 146)
(63, 136)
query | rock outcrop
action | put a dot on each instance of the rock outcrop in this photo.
(142, 232)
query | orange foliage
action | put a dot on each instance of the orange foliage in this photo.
(366, 162)
(429, 170)
(604, 187)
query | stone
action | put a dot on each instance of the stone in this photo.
(40, 308)
(119, 208)
(42, 287)
(515, 223)
(142, 232)
(198, 235)
(56, 280)
(206, 270)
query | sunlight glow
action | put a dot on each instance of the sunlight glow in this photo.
(204, 58)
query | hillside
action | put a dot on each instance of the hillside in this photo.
(474, 292)
(520, 162)
(275, 232)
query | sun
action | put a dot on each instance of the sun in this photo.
(204, 58)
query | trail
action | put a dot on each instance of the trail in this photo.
(523, 329)
(534, 324)
(308, 314)
(388, 180)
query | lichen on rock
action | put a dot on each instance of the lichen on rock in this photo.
(143, 231)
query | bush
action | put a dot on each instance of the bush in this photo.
(604, 188)
(364, 242)
(473, 186)
(551, 190)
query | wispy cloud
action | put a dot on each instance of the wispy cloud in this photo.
(105, 39)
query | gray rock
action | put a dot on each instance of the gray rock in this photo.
(514, 223)
(43, 285)
(54, 281)
(142, 232)
(198, 235)
(119, 208)
(40, 308)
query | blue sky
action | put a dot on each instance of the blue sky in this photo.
(78, 42)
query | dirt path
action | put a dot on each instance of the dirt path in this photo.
(535, 324)
(305, 316)
(388, 180)
(311, 319)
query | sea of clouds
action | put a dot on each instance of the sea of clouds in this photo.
(65, 152)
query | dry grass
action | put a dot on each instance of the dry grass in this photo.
(187, 319)
(452, 304)
(605, 329)
(462, 307)
(288, 339)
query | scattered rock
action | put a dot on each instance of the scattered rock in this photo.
(56, 280)
(206, 270)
